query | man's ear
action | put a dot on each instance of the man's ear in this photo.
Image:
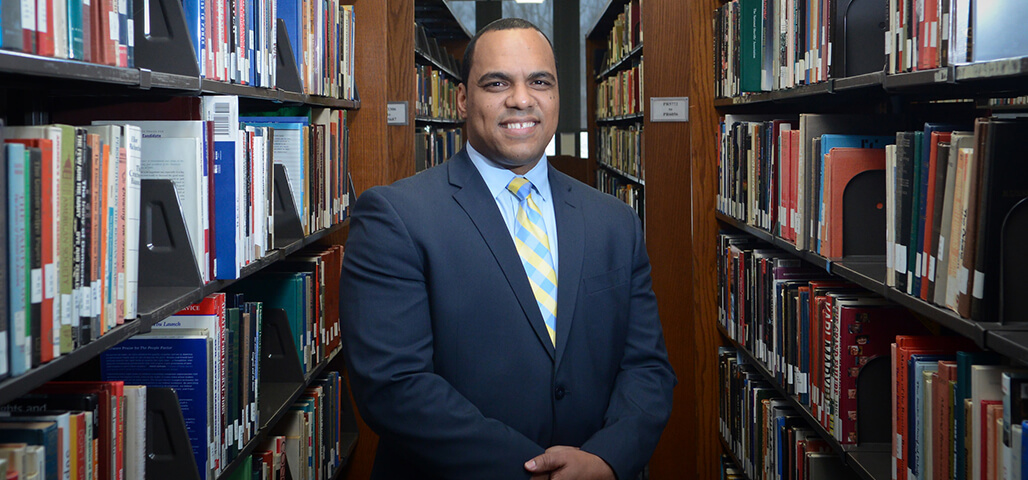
(462, 100)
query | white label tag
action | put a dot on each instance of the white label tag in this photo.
(918, 270)
(85, 301)
(978, 289)
(28, 15)
(96, 300)
(49, 281)
(67, 309)
(962, 280)
(37, 285)
(113, 18)
(131, 33)
(901, 259)
(41, 19)
(931, 268)
(19, 328)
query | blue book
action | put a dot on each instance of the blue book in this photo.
(918, 364)
(834, 140)
(251, 54)
(224, 111)
(196, 16)
(17, 256)
(35, 433)
(181, 361)
(963, 391)
(291, 13)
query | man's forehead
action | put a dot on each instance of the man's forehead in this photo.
(496, 39)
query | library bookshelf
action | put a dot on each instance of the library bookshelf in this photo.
(34, 90)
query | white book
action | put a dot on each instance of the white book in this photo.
(135, 431)
(35, 463)
(185, 164)
(134, 137)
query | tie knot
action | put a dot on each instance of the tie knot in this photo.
(520, 187)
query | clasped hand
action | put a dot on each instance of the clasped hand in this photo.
(568, 463)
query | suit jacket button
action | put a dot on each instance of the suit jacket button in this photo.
(560, 392)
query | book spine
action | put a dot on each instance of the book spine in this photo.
(132, 212)
(18, 191)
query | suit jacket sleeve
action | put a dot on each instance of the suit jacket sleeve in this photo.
(640, 403)
(389, 349)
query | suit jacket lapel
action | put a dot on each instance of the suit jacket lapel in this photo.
(473, 196)
(570, 235)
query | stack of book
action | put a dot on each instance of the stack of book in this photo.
(621, 94)
(434, 145)
(927, 34)
(949, 192)
(70, 254)
(812, 332)
(95, 32)
(625, 36)
(621, 149)
(76, 430)
(437, 94)
(629, 192)
(763, 430)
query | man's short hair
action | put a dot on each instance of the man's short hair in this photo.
(510, 23)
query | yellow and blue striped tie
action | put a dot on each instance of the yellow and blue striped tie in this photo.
(534, 247)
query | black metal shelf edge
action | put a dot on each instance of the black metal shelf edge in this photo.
(174, 81)
(921, 78)
(869, 273)
(439, 121)
(866, 80)
(28, 64)
(329, 101)
(632, 55)
(275, 95)
(631, 178)
(262, 433)
(435, 63)
(622, 118)
(846, 452)
(1013, 344)
(14, 387)
(995, 69)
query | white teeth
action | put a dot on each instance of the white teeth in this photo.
(519, 125)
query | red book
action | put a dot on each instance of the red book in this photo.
(48, 273)
(109, 394)
(905, 347)
(866, 329)
(841, 166)
(794, 174)
(45, 28)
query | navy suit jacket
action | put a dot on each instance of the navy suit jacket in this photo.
(448, 356)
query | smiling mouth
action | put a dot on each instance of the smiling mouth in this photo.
(519, 125)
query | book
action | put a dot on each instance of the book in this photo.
(135, 431)
(158, 360)
(18, 262)
(841, 166)
(44, 434)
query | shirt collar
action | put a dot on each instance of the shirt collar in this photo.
(496, 177)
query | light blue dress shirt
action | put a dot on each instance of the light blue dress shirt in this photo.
(496, 179)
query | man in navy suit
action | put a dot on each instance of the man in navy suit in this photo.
(498, 316)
